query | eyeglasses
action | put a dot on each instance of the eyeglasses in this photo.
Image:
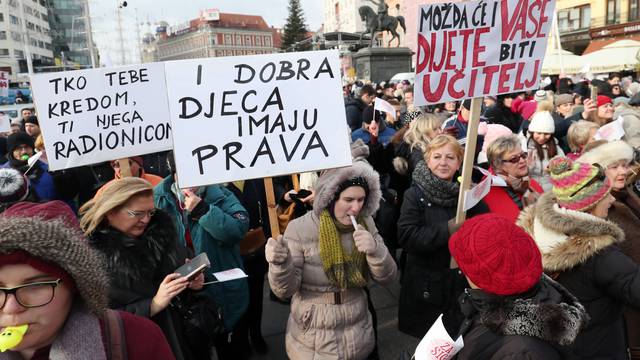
(140, 214)
(516, 159)
(30, 295)
(600, 176)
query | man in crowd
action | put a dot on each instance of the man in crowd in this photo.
(355, 106)
(32, 127)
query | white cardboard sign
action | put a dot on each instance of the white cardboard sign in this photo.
(248, 117)
(5, 123)
(97, 115)
(476, 48)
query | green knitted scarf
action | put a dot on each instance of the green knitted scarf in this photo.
(343, 270)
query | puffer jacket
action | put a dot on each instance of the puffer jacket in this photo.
(581, 251)
(535, 325)
(319, 327)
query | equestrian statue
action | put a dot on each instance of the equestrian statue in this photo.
(381, 21)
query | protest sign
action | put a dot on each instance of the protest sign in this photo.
(437, 344)
(612, 131)
(384, 106)
(248, 117)
(4, 83)
(477, 48)
(97, 115)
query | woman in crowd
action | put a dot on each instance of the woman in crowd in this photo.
(604, 111)
(502, 113)
(427, 220)
(580, 250)
(615, 157)
(324, 262)
(140, 248)
(508, 161)
(55, 283)
(541, 147)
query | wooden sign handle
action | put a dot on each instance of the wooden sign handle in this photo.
(271, 207)
(125, 169)
(469, 155)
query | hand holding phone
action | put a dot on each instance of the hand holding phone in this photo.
(195, 266)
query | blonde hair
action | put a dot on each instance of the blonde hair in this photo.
(578, 134)
(545, 106)
(115, 195)
(441, 141)
(500, 147)
(422, 130)
(39, 144)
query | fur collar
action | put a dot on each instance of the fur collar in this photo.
(566, 238)
(142, 260)
(329, 182)
(548, 312)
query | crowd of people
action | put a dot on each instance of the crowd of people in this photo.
(544, 267)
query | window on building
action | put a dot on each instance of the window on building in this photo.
(267, 41)
(28, 10)
(238, 40)
(14, 20)
(247, 41)
(613, 11)
(38, 29)
(16, 36)
(41, 44)
(44, 17)
(3, 35)
(18, 54)
(33, 42)
(4, 52)
(213, 40)
(634, 10)
(573, 19)
(228, 40)
(48, 46)
(258, 41)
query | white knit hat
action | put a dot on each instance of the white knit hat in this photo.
(542, 122)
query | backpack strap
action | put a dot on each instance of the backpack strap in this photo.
(115, 340)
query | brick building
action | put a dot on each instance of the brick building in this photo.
(215, 34)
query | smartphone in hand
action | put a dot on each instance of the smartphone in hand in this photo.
(197, 265)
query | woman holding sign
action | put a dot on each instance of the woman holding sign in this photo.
(325, 261)
(139, 245)
(427, 220)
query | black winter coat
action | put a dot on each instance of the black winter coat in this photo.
(534, 325)
(504, 116)
(429, 287)
(353, 108)
(136, 267)
(582, 252)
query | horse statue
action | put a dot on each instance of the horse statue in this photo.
(389, 23)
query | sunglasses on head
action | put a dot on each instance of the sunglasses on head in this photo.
(600, 176)
(516, 159)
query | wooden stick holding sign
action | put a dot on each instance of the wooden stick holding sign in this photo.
(125, 168)
(274, 223)
(469, 155)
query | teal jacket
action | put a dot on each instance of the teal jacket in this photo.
(218, 233)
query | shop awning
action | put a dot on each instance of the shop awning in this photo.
(617, 56)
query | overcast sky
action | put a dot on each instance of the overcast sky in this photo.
(150, 12)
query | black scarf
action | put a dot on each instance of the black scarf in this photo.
(440, 192)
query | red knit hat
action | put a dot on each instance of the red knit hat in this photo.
(603, 100)
(496, 255)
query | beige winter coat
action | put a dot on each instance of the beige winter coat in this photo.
(317, 330)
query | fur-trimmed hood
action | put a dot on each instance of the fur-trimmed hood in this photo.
(330, 181)
(145, 259)
(566, 238)
(548, 312)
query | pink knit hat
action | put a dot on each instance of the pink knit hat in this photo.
(577, 186)
(524, 108)
(491, 132)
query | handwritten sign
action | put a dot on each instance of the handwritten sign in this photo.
(477, 48)
(237, 118)
(97, 115)
(612, 131)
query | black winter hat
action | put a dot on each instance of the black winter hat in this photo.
(32, 120)
(19, 138)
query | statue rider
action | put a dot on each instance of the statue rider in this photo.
(383, 11)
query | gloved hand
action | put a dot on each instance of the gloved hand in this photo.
(276, 251)
(364, 241)
(452, 226)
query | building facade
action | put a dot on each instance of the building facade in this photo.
(216, 34)
(13, 39)
(588, 25)
(343, 16)
(69, 32)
